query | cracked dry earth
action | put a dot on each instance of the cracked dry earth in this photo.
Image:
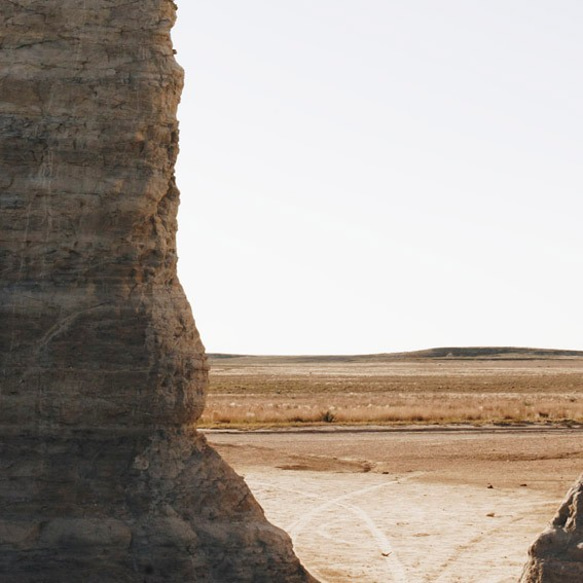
(409, 506)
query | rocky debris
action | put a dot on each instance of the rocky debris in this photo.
(557, 554)
(102, 371)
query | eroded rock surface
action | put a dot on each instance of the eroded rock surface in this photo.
(102, 373)
(557, 554)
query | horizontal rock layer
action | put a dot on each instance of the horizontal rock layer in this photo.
(95, 325)
(102, 371)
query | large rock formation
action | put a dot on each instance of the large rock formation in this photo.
(557, 554)
(103, 477)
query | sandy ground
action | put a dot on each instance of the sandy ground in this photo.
(408, 506)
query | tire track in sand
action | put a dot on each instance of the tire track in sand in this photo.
(392, 564)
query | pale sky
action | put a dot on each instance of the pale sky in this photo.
(364, 176)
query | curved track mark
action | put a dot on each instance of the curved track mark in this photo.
(393, 565)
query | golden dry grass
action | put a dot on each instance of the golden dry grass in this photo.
(259, 391)
(394, 409)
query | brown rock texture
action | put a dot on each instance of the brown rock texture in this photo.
(103, 477)
(557, 554)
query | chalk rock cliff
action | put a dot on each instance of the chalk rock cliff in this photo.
(557, 554)
(103, 477)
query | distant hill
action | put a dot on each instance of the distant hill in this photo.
(493, 352)
(450, 352)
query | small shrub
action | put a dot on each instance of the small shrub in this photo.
(328, 417)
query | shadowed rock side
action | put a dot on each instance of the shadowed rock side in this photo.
(103, 477)
(557, 555)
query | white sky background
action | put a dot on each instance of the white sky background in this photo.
(363, 176)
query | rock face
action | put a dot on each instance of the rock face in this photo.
(103, 477)
(557, 555)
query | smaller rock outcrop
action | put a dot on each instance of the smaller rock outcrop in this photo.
(556, 556)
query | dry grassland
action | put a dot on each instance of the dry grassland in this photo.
(252, 392)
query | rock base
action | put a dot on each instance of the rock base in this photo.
(557, 554)
(164, 508)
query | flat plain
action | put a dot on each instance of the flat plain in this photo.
(408, 506)
(404, 469)
(509, 386)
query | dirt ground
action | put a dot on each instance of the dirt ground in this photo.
(416, 505)
(264, 391)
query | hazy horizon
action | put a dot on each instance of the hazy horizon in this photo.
(414, 351)
(381, 177)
